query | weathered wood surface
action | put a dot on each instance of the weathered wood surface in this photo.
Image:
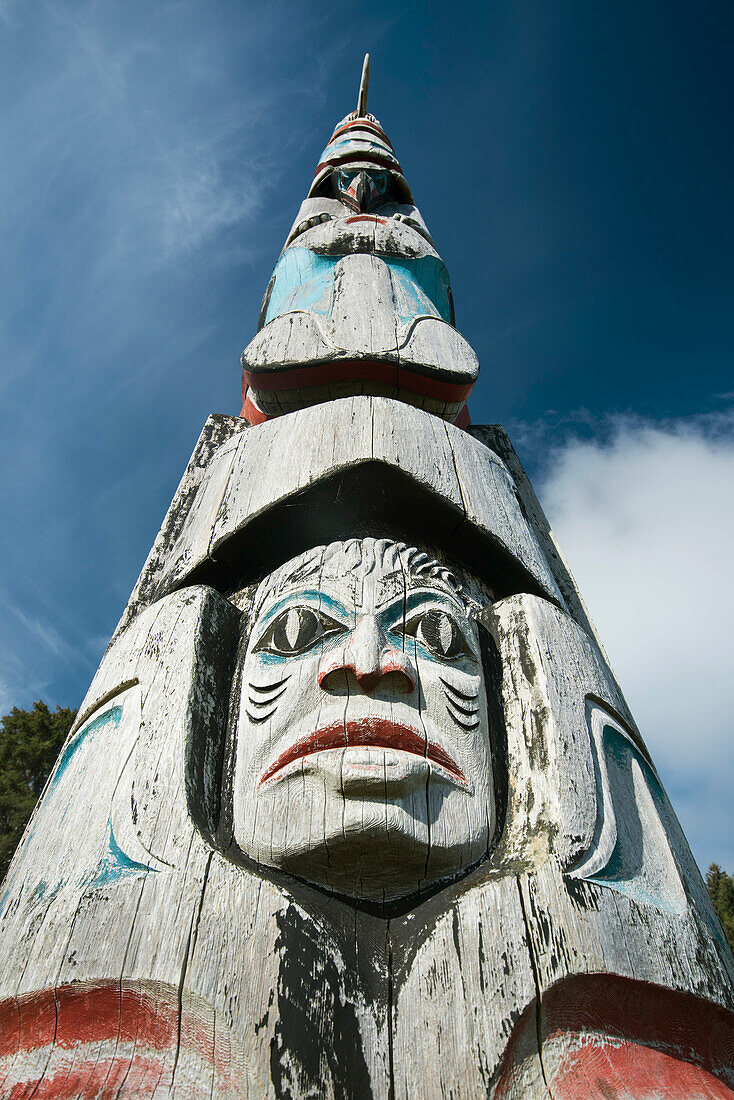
(496, 439)
(259, 986)
(359, 282)
(210, 454)
(473, 497)
(354, 806)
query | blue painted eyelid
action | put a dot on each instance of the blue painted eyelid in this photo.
(320, 600)
(429, 655)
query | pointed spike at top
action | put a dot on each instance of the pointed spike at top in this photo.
(364, 88)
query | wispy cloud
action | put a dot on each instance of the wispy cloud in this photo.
(644, 512)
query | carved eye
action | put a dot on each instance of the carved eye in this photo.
(296, 630)
(438, 631)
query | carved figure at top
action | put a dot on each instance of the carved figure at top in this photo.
(363, 756)
(360, 300)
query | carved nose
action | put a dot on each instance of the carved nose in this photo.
(369, 657)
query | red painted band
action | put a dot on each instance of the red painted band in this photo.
(105, 1039)
(357, 370)
(361, 124)
(256, 416)
(601, 1029)
(463, 420)
(253, 414)
(85, 1013)
(356, 157)
(366, 218)
(365, 732)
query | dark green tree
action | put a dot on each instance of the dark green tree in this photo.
(30, 741)
(721, 888)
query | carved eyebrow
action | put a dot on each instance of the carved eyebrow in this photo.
(415, 599)
(310, 596)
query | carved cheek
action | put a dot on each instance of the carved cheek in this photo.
(456, 705)
(278, 699)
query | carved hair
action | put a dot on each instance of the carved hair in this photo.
(361, 557)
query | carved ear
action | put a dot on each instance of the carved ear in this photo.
(630, 851)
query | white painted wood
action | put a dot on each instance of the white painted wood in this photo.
(456, 975)
(491, 501)
(629, 925)
(468, 979)
(302, 449)
(496, 439)
(204, 473)
(378, 824)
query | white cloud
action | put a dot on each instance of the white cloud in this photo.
(646, 520)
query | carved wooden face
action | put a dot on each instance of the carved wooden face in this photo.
(363, 761)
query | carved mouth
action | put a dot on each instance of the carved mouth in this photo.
(367, 733)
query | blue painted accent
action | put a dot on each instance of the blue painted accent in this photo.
(305, 281)
(622, 872)
(116, 864)
(114, 714)
(39, 890)
(311, 596)
(420, 287)
(347, 143)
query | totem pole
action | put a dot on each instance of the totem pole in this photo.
(354, 806)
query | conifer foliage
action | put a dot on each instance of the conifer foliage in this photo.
(721, 889)
(30, 741)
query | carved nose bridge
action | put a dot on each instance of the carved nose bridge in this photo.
(370, 656)
(363, 191)
(367, 645)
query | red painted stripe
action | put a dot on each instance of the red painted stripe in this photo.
(366, 218)
(596, 1068)
(141, 1076)
(65, 1020)
(463, 420)
(605, 1033)
(253, 414)
(86, 1012)
(361, 124)
(357, 370)
(356, 157)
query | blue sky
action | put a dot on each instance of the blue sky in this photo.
(573, 161)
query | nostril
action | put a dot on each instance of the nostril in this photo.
(398, 668)
(334, 679)
(389, 667)
(398, 681)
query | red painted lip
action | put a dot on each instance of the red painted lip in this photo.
(366, 732)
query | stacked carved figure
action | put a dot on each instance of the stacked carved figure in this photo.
(354, 806)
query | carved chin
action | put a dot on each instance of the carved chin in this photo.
(376, 861)
(377, 851)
